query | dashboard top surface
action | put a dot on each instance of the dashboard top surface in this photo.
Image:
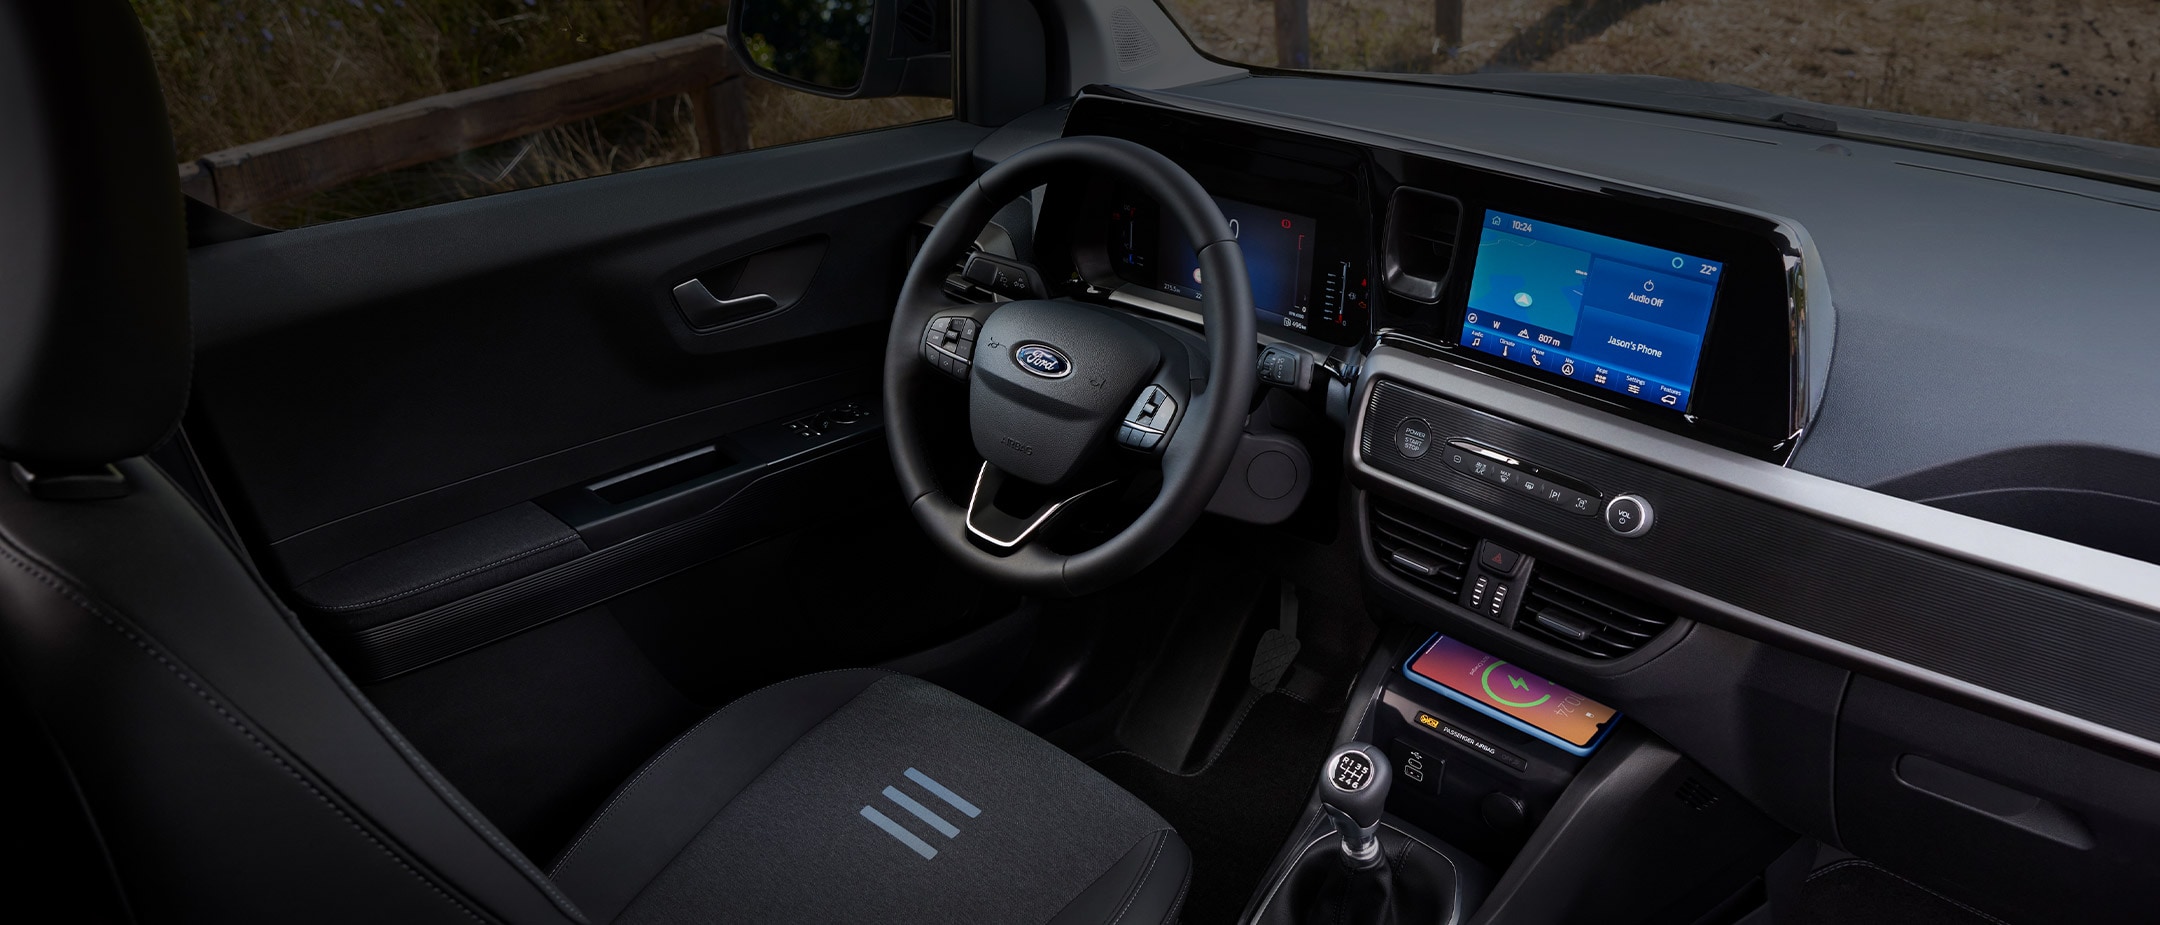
(1981, 308)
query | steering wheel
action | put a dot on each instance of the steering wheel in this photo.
(1056, 384)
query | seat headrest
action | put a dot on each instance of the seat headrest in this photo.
(94, 345)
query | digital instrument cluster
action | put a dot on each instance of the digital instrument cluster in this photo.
(1297, 283)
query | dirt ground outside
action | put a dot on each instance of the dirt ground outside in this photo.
(2075, 67)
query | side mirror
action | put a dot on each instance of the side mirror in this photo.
(847, 49)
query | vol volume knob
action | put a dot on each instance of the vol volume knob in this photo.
(1628, 515)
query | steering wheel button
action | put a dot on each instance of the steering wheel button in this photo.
(1153, 410)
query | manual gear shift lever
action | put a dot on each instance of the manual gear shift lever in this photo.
(1353, 791)
(1366, 883)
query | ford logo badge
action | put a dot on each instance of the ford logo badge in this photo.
(1042, 360)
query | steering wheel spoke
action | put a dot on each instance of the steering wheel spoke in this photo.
(993, 525)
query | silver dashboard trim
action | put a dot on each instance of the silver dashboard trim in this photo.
(2004, 549)
(1136, 297)
(1132, 296)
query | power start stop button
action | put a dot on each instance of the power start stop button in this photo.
(1413, 437)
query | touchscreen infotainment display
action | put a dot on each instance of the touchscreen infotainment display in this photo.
(1506, 692)
(1278, 249)
(1622, 316)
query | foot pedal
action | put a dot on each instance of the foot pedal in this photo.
(1278, 647)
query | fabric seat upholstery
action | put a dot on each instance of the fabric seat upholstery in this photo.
(764, 813)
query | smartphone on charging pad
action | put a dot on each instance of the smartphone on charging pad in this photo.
(1506, 692)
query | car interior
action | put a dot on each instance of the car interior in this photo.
(1167, 490)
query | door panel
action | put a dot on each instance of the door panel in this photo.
(392, 405)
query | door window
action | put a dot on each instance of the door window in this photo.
(294, 112)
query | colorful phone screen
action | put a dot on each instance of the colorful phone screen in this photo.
(1508, 692)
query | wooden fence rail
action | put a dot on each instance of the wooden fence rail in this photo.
(336, 153)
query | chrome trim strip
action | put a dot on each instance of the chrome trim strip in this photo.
(1494, 455)
(2005, 549)
(1140, 298)
(974, 494)
(1133, 296)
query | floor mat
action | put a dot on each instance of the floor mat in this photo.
(1856, 892)
(1238, 810)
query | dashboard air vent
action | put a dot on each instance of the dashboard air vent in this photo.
(1586, 618)
(1421, 232)
(1431, 554)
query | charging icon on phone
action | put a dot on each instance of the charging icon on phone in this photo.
(1516, 682)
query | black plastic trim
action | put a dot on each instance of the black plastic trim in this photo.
(1879, 604)
(768, 499)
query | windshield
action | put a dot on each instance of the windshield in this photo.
(2085, 68)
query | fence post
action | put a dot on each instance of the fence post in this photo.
(199, 182)
(722, 112)
(1447, 27)
(1293, 35)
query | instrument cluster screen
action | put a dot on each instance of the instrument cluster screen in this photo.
(1282, 259)
(1622, 316)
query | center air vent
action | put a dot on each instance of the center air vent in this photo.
(1586, 618)
(1432, 555)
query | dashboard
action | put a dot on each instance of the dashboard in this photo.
(1617, 366)
(1682, 315)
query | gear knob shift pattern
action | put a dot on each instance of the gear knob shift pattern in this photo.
(1353, 791)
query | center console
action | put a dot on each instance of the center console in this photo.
(1471, 786)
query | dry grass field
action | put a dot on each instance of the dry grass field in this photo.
(2077, 67)
(237, 71)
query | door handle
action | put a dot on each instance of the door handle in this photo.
(704, 310)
